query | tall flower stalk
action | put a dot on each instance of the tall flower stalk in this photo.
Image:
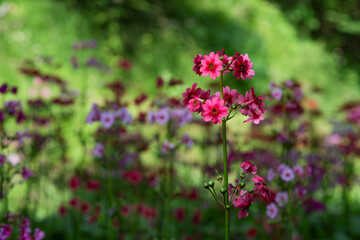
(220, 108)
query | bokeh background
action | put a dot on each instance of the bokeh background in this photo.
(315, 43)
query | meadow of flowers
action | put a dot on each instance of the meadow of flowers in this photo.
(188, 159)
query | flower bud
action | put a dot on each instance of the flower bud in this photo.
(234, 106)
(241, 184)
(219, 178)
(223, 190)
(211, 184)
(205, 185)
(242, 176)
(221, 58)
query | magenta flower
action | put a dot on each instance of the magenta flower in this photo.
(287, 174)
(26, 173)
(248, 167)
(5, 232)
(2, 159)
(98, 150)
(107, 119)
(242, 66)
(257, 179)
(281, 198)
(231, 96)
(271, 210)
(211, 65)
(214, 110)
(243, 202)
(38, 234)
(191, 93)
(255, 116)
(197, 61)
(300, 191)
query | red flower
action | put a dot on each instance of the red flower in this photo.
(74, 183)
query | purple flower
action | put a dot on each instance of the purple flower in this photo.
(163, 116)
(287, 174)
(3, 88)
(271, 210)
(124, 115)
(187, 140)
(26, 173)
(151, 117)
(107, 119)
(38, 234)
(98, 150)
(281, 198)
(270, 175)
(276, 93)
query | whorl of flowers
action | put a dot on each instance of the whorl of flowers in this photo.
(224, 106)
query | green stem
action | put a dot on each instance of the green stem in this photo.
(226, 180)
(168, 168)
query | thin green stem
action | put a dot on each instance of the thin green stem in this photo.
(216, 197)
(226, 179)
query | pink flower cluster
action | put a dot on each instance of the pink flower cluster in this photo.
(216, 108)
(213, 108)
(214, 63)
(243, 199)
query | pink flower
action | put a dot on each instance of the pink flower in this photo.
(98, 150)
(242, 67)
(231, 96)
(243, 202)
(258, 179)
(134, 177)
(243, 212)
(214, 110)
(255, 116)
(281, 198)
(107, 119)
(298, 170)
(248, 167)
(211, 65)
(194, 104)
(271, 210)
(276, 93)
(197, 62)
(287, 174)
